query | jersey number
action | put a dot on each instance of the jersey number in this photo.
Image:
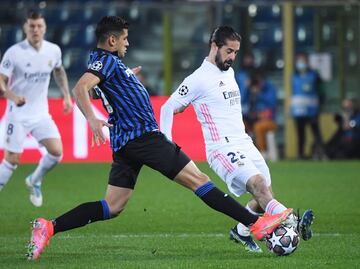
(10, 129)
(234, 158)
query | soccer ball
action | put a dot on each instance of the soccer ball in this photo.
(283, 241)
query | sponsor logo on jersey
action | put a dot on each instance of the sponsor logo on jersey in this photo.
(183, 90)
(221, 84)
(129, 72)
(232, 96)
(96, 66)
(36, 77)
(28, 65)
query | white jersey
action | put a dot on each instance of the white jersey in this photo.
(29, 73)
(215, 96)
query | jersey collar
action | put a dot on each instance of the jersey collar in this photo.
(106, 51)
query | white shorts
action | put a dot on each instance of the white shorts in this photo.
(235, 164)
(16, 132)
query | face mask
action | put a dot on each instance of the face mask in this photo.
(301, 66)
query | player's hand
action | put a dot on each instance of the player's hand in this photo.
(68, 105)
(136, 70)
(19, 100)
(97, 132)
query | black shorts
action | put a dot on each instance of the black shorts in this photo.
(152, 149)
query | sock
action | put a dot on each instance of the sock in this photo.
(242, 229)
(224, 203)
(6, 170)
(252, 211)
(82, 215)
(46, 163)
(274, 207)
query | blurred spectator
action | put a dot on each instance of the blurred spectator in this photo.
(345, 143)
(247, 67)
(306, 98)
(259, 106)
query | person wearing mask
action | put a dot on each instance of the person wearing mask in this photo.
(305, 105)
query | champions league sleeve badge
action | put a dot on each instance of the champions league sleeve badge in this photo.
(96, 66)
(183, 90)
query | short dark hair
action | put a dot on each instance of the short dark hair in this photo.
(34, 15)
(109, 25)
(223, 33)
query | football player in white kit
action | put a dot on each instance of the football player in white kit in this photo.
(25, 72)
(230, 152)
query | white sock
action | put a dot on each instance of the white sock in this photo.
(274, 207)
(6, 170)
(242, 229)
(252, 211)
(46, 163)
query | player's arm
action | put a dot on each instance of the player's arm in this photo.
(168, 110)
(62, 82)
(81, 93)
(8, 94)
(184, 95)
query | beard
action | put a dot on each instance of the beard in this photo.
(223, 66)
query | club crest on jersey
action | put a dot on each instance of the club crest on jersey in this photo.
(50, 63)
(6, 64)
(183, 90)
(96, 66)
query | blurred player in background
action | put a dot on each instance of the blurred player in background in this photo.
(24, 80)
(215, 95)
(135, 141)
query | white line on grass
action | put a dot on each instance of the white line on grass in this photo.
(163, 235)
(176, 235)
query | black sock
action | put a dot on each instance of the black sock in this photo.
(224, 203)
(81, 215)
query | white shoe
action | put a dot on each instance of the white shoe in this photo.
(35, 192)
(291, 221)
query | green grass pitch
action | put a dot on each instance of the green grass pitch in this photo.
(167, 226)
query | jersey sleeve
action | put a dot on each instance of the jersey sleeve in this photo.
(7, 64)
(102, 67)
(186, 93)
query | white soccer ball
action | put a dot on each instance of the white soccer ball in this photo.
(283, 241)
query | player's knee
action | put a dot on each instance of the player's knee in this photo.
(56, 152)
(256, 185)
(12, 158)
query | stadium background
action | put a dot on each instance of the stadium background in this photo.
(169, 40)
(164, 225)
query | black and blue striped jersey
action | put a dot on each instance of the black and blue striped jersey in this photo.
(124, 98)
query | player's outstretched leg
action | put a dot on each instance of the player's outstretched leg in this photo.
(35, 192)
(305, 224)
(241, 234)
(42, 231)
(268, 223)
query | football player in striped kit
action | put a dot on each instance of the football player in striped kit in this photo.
(135, 141)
